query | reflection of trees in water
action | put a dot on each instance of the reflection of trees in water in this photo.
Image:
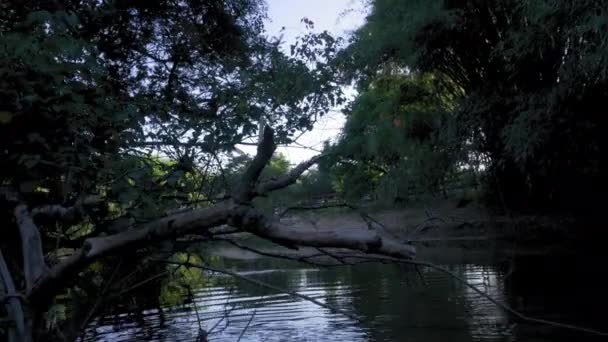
(566, 289)
(393, 301)
(399, 305)
(485, 320)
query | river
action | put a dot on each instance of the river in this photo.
(393, 303)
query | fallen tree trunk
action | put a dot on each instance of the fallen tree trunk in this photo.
(237, 211)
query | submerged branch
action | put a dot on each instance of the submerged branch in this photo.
(246, 326)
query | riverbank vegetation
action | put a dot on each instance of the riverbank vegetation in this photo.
(507, 93)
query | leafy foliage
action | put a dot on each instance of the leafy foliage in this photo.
(140, 105)
(527, 78)
(395, 140)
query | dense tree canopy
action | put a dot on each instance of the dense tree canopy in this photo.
(527, 79)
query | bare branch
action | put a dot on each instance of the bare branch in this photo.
(66, 214)
(223, 230)
(225, 316)
(369, 220)
(357, 239)
(288, 179)
(157, 143)
(247, 326)
(236, 212)
(303, 258)
(34, 266)
(54, 211)
(312, 207)
(299, 258)
(94, 248)
(245, 191)
(333, 256)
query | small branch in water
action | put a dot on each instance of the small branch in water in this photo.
(247, 326)
(266, 285)
(226, 315)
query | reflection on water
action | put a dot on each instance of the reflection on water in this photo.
(395, 303)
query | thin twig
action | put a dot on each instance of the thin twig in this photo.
(312, 207)
(198, 317)
(303, 258)
(97, 303)
(247, 326)
(226, 312)
(332, 255)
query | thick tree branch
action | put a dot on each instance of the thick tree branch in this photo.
(95, 248)
(34, 266)
(367, 241)
(69, 214)
(56, 210)
(246, 189)
(288, 179)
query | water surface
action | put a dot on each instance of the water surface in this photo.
(395, 303)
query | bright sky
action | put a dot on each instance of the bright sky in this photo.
(339, 17)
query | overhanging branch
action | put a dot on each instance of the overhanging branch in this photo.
(68, 214)
(94, 248)
(245, 191)
(368, 241)
(288, 179)
(237, 211)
